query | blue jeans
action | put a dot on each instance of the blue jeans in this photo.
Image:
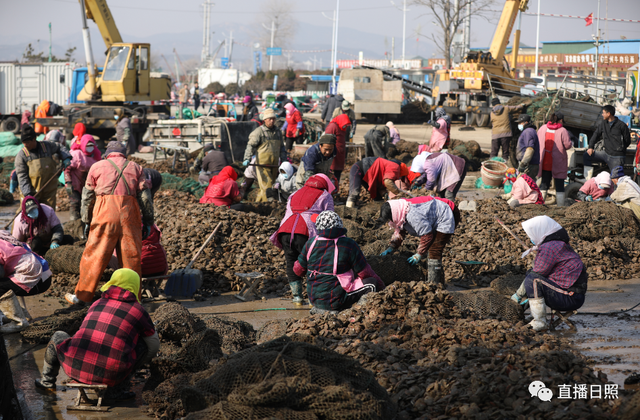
(555, 297)
(602, 156)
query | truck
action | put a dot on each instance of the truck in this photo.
(466, 90)
(24, 85)
(125, 83)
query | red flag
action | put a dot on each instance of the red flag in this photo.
(589, 19)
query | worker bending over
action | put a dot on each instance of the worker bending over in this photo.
(376, 141)
(265, 143)
(223, 190)
(431, 219)
(39, 227)
(35, 167)
(116, 338)
(297, 227)
(376, 175)
(558, 279)
(338, 274)
(524, 191)
(115, 203)
(317, 159)
(598, 188)
(22, 273)
(627, 193)
(443, 173)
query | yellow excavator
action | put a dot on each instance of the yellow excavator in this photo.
(466, 90)
(124, 81)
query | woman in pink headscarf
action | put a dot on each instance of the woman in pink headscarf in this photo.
(293, 127)
(75, 175)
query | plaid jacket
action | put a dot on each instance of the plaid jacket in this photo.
(557, 261)
(324, 290)
(103, 350)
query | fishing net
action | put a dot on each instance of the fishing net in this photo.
(508, 284)
(394, 267)
(41, 331)
(188, 185)
(235, 335)
(273, 329)
(174, 322)
(354, 230)
(283, 378)
(487, 303)
(65, 259)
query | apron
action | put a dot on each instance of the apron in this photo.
(268, 154)
(547, 158)
(349, 281)
(42, 170)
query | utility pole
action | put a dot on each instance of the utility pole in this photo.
(404, 26)
(467, 30)
(273, 31)
(538, 38)
(206, 32)
(50, 57)
(596, 38)
(333, 35)
(393, 49)
(334, 62)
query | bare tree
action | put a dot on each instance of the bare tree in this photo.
(278, 12)
(449, 16)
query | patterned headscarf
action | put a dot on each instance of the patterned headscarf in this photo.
(328, 220)
(440, 112)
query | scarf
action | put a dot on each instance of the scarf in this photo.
(399, 210)
(342, 121)
(534, 187)
(124, 278)
(603, 178)
(320, 182)
(33, 224)
(328, 220)
(552, 126)
(6, 236)
(290, 108)
(538, 228)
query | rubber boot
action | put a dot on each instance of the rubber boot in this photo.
(23, 304)
(560, 199)
(539, 313)
(74, 213)
(435, 272)
(11, 308)
(588, 172)
(544, 195)
(296, 290)
(49, 375)
(245, 187)
(351, 201)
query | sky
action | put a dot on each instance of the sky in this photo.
(364, 25)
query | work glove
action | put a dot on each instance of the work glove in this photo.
(523, 168)
(12, 186)
(517, 299)
(86, 230)
(146, 231)
(245, 163)
(351, 135)
(607, 199)
(415, 259)
(66, 163)
(387, 251)
(54, 245)
(69, 188)
(276, 186)
(589, 198)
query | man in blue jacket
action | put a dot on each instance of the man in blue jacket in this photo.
(528, 149)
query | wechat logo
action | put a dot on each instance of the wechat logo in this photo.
(540, 390)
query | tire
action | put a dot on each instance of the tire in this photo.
(473, 120)
(10, 124)
(570, 193)
(483, 120)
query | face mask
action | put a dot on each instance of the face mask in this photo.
(33, 214)
(115, 116)
(520, 127)
(602, 187)
(285, 176)
(89, 149)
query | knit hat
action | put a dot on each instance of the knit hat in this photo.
(268, 113)
(328, 220)
(440, 112)
(28, 133)
(115, 147)
(328, 139)
(208, 147)
(345, 105)
(246, 99)
(524, 118)
(617, 172)
(495, 101)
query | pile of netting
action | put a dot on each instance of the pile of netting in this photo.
(188, 185)
(62, 320)
(287, 378)
(65, 259)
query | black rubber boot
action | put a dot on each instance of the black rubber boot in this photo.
(245, 187)
(436, 273)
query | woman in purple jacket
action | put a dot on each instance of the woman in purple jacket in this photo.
(443, 173)
(558, 279)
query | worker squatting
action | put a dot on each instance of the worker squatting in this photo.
(114, 199)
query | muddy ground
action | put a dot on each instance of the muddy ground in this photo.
(432, 357)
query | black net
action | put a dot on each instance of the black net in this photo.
(65, 259)
(395, 267)
(295, 379)
(486, 303)
(508, 284)
(41, 331)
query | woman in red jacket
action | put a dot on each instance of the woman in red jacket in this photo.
(223, 190)
(293, 127)
(338, 127)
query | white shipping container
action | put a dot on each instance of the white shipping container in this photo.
(25, 85)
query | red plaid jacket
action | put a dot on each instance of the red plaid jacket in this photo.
(103, 350)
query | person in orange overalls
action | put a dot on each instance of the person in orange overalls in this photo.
(116, 201)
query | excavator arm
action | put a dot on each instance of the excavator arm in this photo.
(98, 11)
